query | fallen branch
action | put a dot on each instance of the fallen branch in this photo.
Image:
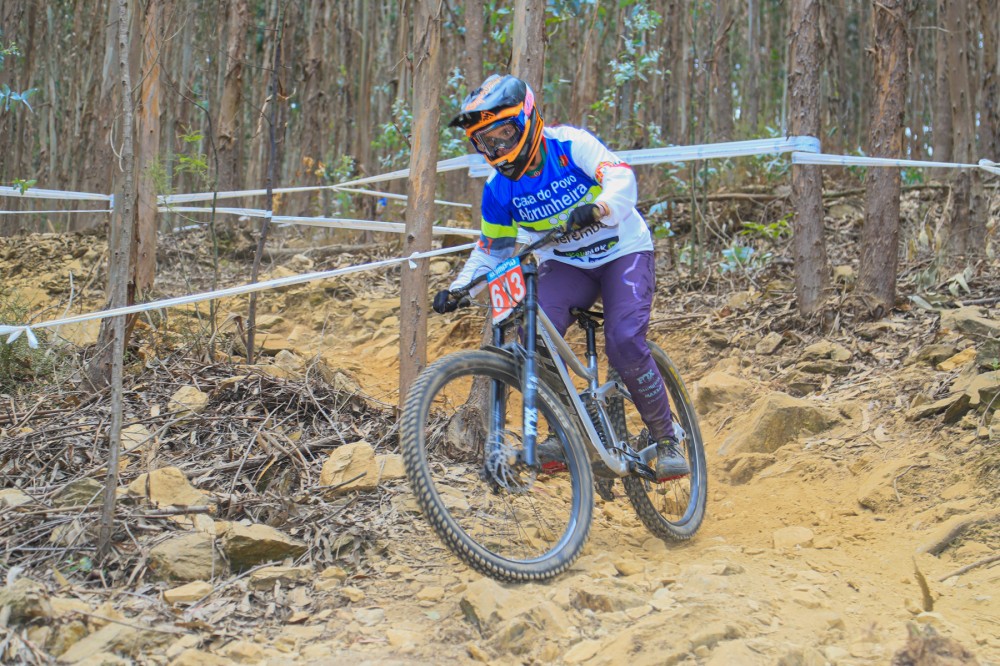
(970, 567)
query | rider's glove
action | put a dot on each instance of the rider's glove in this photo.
(443, 302)
(585, 215)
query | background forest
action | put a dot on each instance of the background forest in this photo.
(638, 74)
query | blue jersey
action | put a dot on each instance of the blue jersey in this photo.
(577, 169)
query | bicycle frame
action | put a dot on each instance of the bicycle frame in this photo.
(564, 359)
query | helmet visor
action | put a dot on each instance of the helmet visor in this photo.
(499, 139)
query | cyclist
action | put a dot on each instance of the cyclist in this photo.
(563, 176)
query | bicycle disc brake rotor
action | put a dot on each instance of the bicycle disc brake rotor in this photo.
(503, 471)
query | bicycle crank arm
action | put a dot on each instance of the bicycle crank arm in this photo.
(639, 464)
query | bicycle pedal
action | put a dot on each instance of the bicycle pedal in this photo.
(642, 471)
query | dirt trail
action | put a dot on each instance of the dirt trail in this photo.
(729, 596)
(788, 568)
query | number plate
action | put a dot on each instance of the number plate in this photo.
(506, 284)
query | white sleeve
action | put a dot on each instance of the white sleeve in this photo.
(477, 264)
(618, 187)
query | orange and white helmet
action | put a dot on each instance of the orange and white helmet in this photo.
(502, 122)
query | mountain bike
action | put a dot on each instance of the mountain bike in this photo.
(472, 422)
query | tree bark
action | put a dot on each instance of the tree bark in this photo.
(722, 89)
(229, 139)
(990, 126)
(943, 139)
(528, 57)
(880, 235)
(118, 271)
(475, 20)
(423, 176)
(812, 268)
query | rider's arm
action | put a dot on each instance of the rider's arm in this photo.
(619, 192)
(496, 241)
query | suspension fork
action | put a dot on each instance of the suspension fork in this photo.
(529, 378)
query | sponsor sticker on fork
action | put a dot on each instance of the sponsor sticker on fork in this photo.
(507, 288)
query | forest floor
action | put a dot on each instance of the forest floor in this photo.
(839, 546)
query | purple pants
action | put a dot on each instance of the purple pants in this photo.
(626, 287)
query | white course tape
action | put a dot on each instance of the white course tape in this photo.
(34, 193)
(327, 222)
(390, 195)
(53, 212)
(860, 160)
(15, 331)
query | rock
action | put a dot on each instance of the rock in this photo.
(769, 344)
(167, 486)
(440, 267)
(430, 593)
(72, 533)
(249, 545)
(824, 366)
(26, 599)
(243, 652)
(736, 652)
(80, 493)
(602, 599)
(136, 436)
(740, 300)
(13, 497)
(582, 651)
(790, 537)
(193, 657)
(984, 389)
(744, 466)
(187, 401)
(80, 334)
(802, 656)
(844, 274)
(353, 594)
(935, 353)
(824, 349)
(517, 637)
(773, 421)
(970, 321)
(485, 601)
(962, 358)
(356, 467)
(923, 410)
(114, 637)
(290, 362)
(718, 389)
(186, 557)
(876, 491)
(264, 579)
(988, 355)
(191, 592)
(333, 573)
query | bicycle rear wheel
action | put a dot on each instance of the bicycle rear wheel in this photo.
(494, 513)
(673, 509)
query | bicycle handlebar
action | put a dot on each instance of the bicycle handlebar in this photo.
(552, 234)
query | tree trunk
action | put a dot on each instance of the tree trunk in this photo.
(812, 269)
(942, 127)
(475, 21)
(751, 93)
(528, 57)
(722, 89)
(423, 176)
(229, 137)
(880, 235)
(118, 271)
(148, 145)
(989, 131)
(965, 235)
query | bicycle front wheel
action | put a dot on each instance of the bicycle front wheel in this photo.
(673, 509)
(497, 515)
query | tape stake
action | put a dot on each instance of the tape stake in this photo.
(411, 262)
(32, 340)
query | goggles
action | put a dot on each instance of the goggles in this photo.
(499, 138)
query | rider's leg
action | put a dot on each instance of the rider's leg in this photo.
(627, 288)
(562, 287)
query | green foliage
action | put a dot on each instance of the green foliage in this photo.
(772, 231)
(8, 96)
(23, 185)
(19, 363)
(190, 160)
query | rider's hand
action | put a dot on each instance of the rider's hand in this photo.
(585, 215)
(444, 302)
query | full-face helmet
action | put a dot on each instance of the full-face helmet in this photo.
(502, 122)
